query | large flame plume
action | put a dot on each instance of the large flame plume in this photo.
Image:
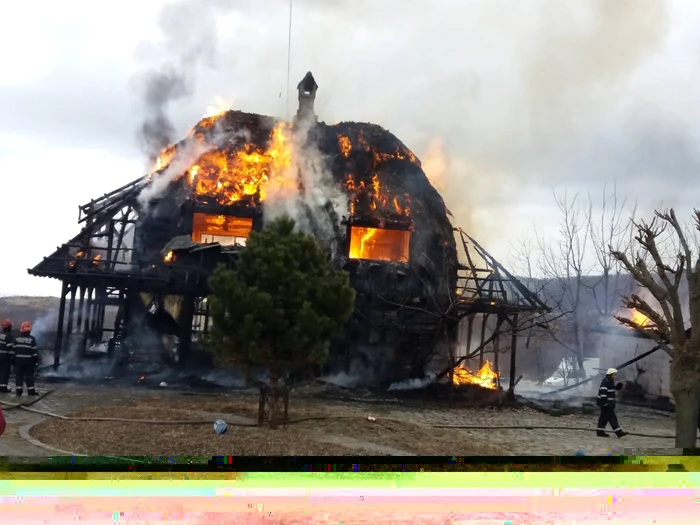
(485, 377)
(234, 174)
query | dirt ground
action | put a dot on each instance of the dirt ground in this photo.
(346, 432)
(321, 424)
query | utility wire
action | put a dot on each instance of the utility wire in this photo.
(289, 56)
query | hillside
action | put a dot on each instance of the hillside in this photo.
(23, 308)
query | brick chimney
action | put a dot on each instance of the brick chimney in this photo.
(307, 94)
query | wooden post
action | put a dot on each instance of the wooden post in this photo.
(496, 351)
(71, 310)
(513, 343)
(87, 322)
(81, 304)
(470, 324)
(484, 320)
(451, 359)
(185, 328)
(58, 343)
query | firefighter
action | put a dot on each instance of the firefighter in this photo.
(26, 359)
(6, 355)
(606, 402)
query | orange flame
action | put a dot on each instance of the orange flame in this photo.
(164, 159)
(640, 319)
(378, 196)
(345, 145)
(379, 244)
(168, 257)
(230, 177)
(485, 377)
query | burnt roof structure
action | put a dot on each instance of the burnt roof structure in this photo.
(148, 248)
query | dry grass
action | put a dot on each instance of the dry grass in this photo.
(140, 439)
(247, 406)
(418, 439)
(117, 438)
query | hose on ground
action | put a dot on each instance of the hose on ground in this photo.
(536, 427)
(25, 406)
(11, 406)
(316, 418)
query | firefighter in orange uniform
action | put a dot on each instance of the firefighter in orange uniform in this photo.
(6, 355)
(26, 359)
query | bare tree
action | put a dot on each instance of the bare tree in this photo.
(610, 226)
(577, 266)
(562, 263)
(661, 271)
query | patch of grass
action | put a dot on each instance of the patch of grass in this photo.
(419, 439)
(134, 439)
(106, 438)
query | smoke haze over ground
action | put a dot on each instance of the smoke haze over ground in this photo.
(522, 96)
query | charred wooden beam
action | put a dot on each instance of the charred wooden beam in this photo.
(526, 293)
(513, 343)
(58, 343)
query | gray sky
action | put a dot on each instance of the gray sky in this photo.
(520, 96)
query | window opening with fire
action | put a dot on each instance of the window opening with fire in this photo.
(379, 244)
(224, 229)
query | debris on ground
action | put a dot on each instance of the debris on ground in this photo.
(220, 426)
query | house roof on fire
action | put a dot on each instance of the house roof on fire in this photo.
(382, 179)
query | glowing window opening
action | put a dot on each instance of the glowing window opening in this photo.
(224, 229)
(379, 244)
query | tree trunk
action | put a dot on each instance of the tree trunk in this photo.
(685, 387)
(274, 399)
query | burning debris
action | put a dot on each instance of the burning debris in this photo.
(485, 377)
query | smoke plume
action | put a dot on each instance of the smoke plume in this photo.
(186, 156)
(189, 38)
(305, 191)
(45, 324)
(413, 384)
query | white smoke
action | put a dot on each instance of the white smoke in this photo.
(225, 378)
(342, 379)
(305, 188)
(413, 384)
(45, 324)
(184, 158)
(187, 155)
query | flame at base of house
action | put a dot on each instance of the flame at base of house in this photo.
(379, 244)
(485, 377)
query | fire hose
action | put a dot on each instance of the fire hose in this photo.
(301, 420)
(619, 367)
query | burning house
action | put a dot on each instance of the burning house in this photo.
(146, 249)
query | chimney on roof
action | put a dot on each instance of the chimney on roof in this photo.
(307, 94)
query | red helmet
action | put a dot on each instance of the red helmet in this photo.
(26, 327)
(6, 324)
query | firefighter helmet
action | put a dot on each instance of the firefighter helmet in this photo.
(611, 371)
(26, 327)
(7, 324)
